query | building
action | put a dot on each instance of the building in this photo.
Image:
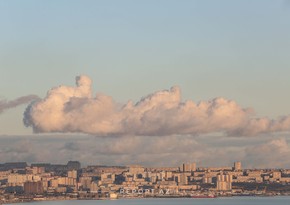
(33, 188)
(188, 167)
(20, 179)
(207, 179)
(136, 169)
(108, 178)
(183, 179)
(85, 182)
(72, 174)
(238, 166)
(224, 182)
(66, 181)
(53, 183)
(38, 170)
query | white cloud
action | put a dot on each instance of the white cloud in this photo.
(74, 109)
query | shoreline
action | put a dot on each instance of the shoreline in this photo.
(52, 199)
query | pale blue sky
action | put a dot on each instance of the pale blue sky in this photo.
(235, 49)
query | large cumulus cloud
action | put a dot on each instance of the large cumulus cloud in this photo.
(75, 109)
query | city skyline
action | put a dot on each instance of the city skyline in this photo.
(73, 181)
(183, 166)
(151, 83)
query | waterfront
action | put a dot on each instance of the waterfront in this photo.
(48, 182)
(184, 201)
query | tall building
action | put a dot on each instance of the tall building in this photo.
(188, 167)
(238, 166)
(193, 167)
(183, 179)
(224, 182)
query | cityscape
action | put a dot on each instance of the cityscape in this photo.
(20, 182)
(125, 102)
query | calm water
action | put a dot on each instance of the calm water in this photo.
(185, 201)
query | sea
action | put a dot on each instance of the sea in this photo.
(175, 201)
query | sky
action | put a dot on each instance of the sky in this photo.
(237, 51)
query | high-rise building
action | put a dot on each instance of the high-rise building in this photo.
(188, 167)
(183, 179)
(193, 167)
(224, 182)
(238, 166)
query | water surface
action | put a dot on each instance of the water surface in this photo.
(179, 201)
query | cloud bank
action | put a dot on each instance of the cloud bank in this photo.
(75, 109)
(4, 104)
(260, 152)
